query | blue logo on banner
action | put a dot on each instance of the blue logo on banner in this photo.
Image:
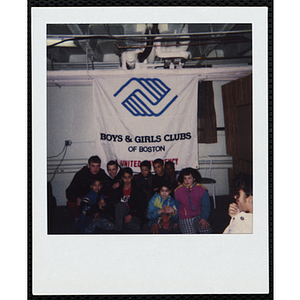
(143, 100)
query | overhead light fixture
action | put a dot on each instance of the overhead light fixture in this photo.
(60, 43)
(130, 61)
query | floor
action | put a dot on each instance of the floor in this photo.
(62, 221)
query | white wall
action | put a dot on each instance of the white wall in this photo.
(69, 113)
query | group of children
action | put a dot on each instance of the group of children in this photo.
(164, 202)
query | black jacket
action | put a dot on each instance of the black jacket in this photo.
(145, 184)
(109, 182)
(158, 180)
(137, 201)
(81, 182)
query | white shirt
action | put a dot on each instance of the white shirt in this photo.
(240, 223)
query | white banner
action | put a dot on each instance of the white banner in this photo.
(146, 117)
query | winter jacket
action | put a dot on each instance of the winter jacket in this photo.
(155, 204)
(145, 184)
(137, 201)
(109, 181)
(193, 201)
(81, 182)
(85, 213)
(158, 180)
(89, 200)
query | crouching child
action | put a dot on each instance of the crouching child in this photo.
(129, 204)
(194, 204)
(101, 217)
(162, 211)
(86, 208)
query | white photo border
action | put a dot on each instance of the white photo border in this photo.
(201, 264)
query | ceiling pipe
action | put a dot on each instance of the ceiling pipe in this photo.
(144, 55)
(136, 36)
(183, 44)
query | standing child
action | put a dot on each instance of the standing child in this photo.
(144, 179)
(160, 175)
(85, 211)
(162, 211)
(194, 205)
(170, 169)
(241, 212)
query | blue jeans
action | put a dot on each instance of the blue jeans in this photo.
(102, 223)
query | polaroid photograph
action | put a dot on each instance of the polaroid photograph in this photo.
(150, 161)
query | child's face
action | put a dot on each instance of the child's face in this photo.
(158, 169)
(127, 179)
(96, 186)
(164, 192)
(169, 169)
(94, 168)
(112, 170)
(188, 180)
(244, 203)
(102, 202)
(145, 171)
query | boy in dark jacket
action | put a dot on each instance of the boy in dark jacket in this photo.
(129, 203)
(80, 184)
(113, 175)
(101, 217)
(161, 176)
(87, 210)
(144, 179)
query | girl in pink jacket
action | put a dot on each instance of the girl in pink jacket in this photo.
(194, 204)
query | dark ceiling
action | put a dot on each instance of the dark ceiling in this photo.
(128, 46)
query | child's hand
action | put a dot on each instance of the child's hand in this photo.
(127, 219)
(233, 210)
(78, 200)
(116, 185)
(102, 203)
(203, 224)
(169, 209)
(96, 216)
(162, 210)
